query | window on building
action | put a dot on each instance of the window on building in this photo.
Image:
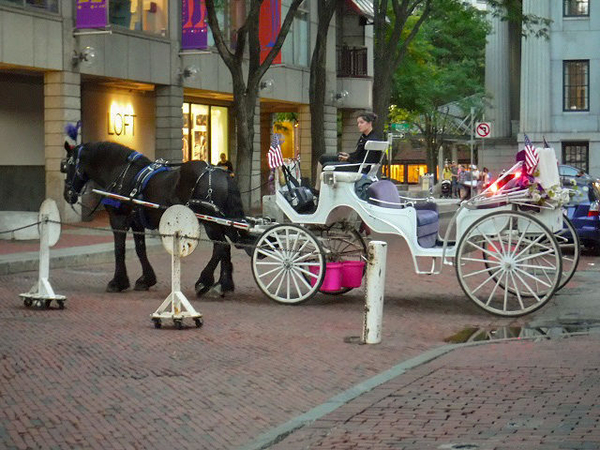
(576, 8)
(576, 81)
(46, 5)
(205, 132)
(576, 154)
(141, 15)
(295, 47)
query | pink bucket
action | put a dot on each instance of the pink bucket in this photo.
(333, 276)
(352, 273)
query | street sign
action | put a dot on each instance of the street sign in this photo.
(402, 127)
(483, 129)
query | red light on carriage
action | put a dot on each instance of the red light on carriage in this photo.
(517, 174)
(494, 188)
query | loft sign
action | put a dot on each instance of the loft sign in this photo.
(121, 120)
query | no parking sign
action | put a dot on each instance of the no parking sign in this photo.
(483, 129)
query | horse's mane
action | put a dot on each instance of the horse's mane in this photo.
(112, 151)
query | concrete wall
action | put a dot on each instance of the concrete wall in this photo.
(28, 38)
(21, 120)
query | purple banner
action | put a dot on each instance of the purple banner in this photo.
(194, 27)
(91, 14)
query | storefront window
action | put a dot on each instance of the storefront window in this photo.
(205, 132)
(295, 46)
(47, 5)
(397, 172)
(142, 15)
(415, 171)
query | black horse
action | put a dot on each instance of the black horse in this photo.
(120, 170)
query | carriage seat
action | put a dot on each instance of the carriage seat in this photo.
(384, 193)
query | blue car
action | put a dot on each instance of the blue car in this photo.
(584, 207)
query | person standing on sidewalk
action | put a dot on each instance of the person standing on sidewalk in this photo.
(454, 170)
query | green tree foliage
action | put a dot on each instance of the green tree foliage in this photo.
(445, 63)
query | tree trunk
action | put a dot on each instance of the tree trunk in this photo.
(318, 83)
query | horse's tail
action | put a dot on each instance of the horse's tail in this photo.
(234, 208)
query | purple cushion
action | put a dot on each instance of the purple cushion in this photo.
(386, 191)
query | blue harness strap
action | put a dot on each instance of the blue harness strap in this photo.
(141, 181)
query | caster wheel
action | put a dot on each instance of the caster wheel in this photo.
(61, 304)
(28, 302)
(178, 323)
(199, 322)
(48, 303)
(157, 323)
(39, 304)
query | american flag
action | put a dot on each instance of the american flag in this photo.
(532, 156)
(274, 156)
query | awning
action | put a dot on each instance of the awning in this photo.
(362, 7)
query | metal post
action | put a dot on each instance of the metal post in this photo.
(390, 148)
(472, 130)
(373, 317)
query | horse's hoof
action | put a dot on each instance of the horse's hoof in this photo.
(116, 287)
(141, 285)
(201, 289)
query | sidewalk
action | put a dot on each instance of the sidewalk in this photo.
(518, 394)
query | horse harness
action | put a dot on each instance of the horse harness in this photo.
(140, 182)
(78, 176)
(208, 202)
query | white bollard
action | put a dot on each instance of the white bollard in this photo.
(373, 317)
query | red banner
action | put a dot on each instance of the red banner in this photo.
(269, 25)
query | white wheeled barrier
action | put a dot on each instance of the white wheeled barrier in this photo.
(180, 232)
(42, 294)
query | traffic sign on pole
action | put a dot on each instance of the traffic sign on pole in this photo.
(483, 129)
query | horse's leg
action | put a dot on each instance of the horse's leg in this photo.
(226, 278)
(207, 278)
(148, 277)
(120, 280)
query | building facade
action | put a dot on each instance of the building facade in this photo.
(546, 88)
(131, 82)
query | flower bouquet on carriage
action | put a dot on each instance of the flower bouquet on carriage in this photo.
(532, 183)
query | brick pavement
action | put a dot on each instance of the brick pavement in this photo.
(511, 395)
(98, 375)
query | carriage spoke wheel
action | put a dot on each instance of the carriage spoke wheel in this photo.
(288, 264)
(570, 249)
(342, 242)
(508, 263)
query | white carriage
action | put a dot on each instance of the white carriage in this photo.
(507, 254)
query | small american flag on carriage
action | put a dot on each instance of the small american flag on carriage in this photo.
(275, 156)
(532, 157)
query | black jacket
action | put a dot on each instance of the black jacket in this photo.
(358, 155)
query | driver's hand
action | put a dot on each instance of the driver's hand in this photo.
(343, 156)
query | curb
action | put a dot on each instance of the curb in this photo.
(67, 257)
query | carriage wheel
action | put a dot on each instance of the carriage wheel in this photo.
(343, 243)
(508, 263)
(570, 248)
(288, 264)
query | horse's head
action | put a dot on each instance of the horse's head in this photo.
(75, 178)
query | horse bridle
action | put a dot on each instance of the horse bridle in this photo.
(79, 179)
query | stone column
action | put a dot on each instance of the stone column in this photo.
(497, 78)
(255, 178)
(304, 135)
(350, 133)
(169, 123)
(535, 78)
(62, 105)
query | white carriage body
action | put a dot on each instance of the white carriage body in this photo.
(338, 200)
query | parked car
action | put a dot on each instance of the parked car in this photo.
(584, 207)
